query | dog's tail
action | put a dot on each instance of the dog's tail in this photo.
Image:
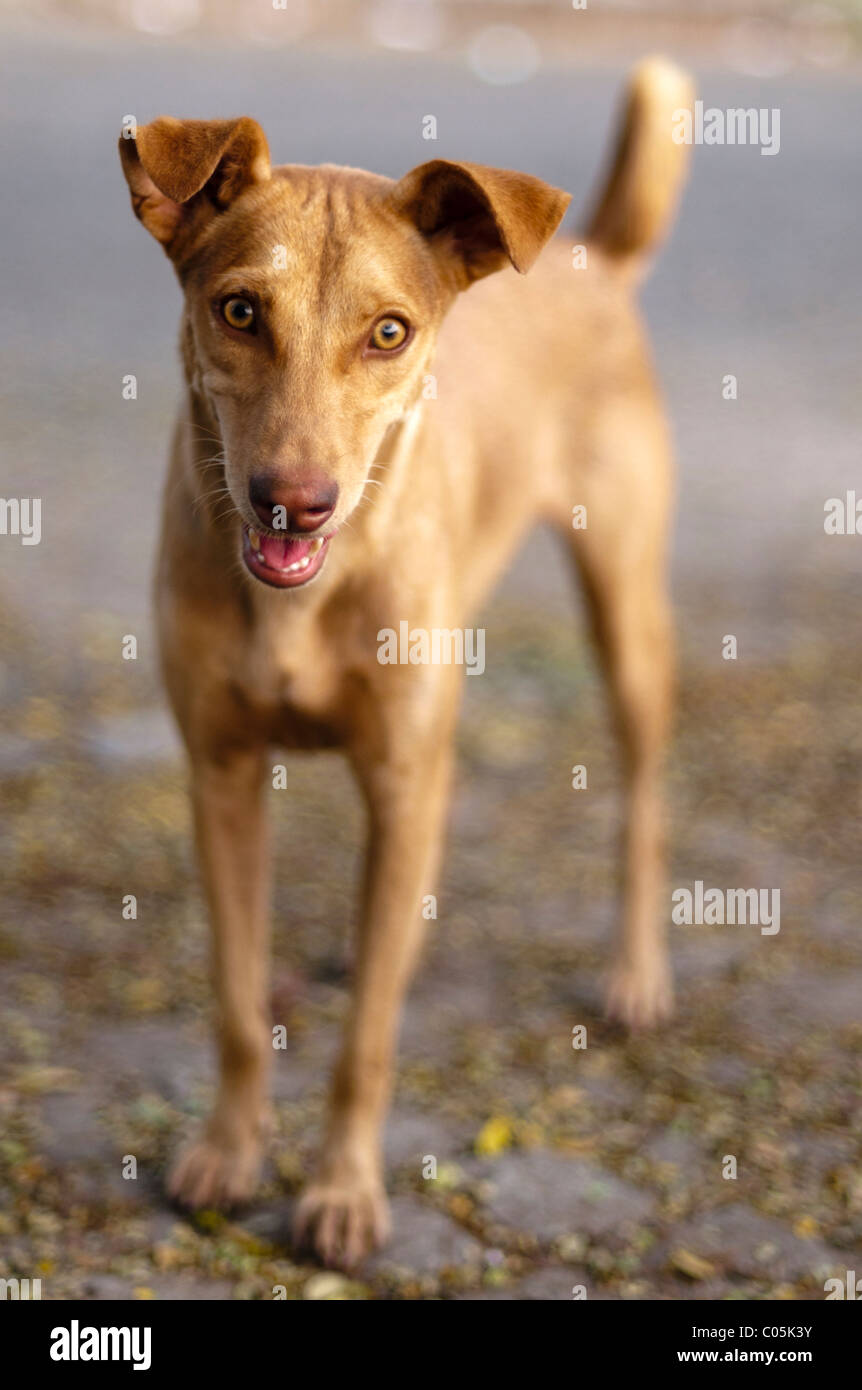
(638, 201)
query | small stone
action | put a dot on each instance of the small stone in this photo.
(571, 1248)
(330, 1287)
(550, 1195)
(424, 1241)
(691, 1265)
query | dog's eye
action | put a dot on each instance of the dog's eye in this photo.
(238, 312)
(387, 334)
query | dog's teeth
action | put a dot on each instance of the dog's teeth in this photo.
(315, 546)
(254, 539)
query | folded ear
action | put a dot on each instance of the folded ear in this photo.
(482, 218)
(181, 173)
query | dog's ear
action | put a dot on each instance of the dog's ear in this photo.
(180, 173)
(480, 218)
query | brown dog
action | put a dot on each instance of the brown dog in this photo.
(316, 325)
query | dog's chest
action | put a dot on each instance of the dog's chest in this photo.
(293, 678)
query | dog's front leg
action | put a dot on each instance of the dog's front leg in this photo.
(223, 1166)
(344, 1212)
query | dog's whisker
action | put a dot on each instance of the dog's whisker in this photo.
(207, 434)
(210, 497)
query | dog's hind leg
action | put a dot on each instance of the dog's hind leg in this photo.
(621, 556)
(222, 1167)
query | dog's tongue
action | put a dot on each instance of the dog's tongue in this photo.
(280, 553)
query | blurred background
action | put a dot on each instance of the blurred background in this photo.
(555, 1167)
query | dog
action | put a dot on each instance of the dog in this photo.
(364, 443)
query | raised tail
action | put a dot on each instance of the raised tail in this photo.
(639, 199)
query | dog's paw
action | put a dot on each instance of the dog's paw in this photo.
(342, 1224)
(215, 1173)
(639, 998)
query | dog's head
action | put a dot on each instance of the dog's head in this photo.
(313, 298)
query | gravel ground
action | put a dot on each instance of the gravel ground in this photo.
(555, 1166)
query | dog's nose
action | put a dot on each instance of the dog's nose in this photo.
(303, 506)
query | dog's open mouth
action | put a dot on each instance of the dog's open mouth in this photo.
(282, 561)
